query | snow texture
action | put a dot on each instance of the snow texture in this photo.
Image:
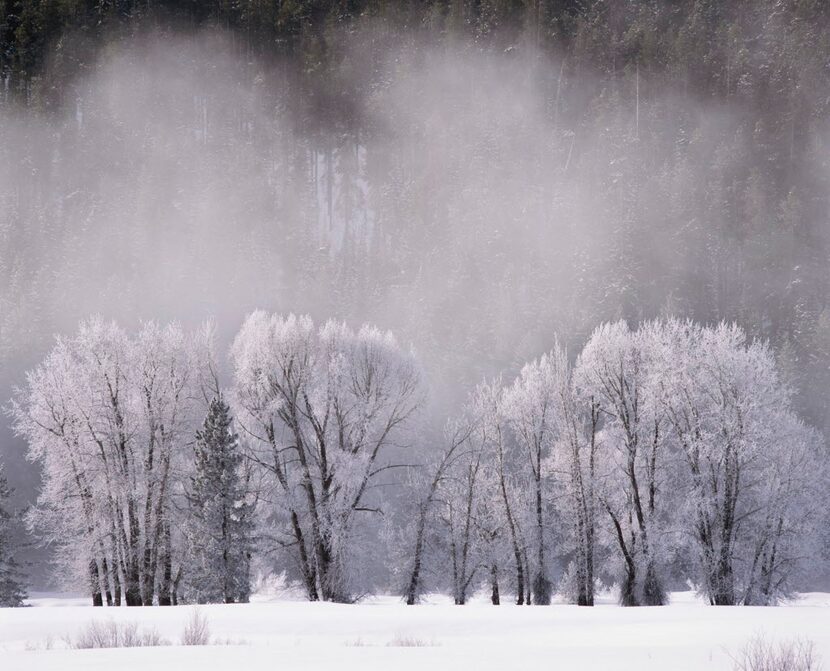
(687, 635)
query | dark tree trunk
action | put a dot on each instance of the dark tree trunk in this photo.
(495, 598)
(724, 592)
(517, 552)
(116, 589)
(132, 591)
(581, 571)
(106, 580)
(148, 583)
(95, 585)
(174, 592)
(541, 584)
(541, 590)
(309, 577)
(132, 575)
(520, 581)
(415, 577)
(628, 589)
(166, 587)
(586, 592)
(653, 592)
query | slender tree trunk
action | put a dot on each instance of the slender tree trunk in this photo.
(116, 580)
(415, 576)
(132, 592)
(413, 587)
(589, 567)
(166, 586)
(105, 579)
(541, 584)
(174, 595)
(94, 583)
(495, 598)
(514, 541)
(628, 588)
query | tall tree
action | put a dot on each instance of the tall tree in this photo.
(325, 410)
(107, 415)
(220, 518)
(533, 407)
(751, 468)
(615, 369)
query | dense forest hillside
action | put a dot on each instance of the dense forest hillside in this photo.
(478, 175)
(713, 118)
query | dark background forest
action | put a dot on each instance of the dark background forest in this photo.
(478, 176)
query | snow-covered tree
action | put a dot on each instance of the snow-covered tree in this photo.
(533, 407)
(12, 590)
(491, 436)
(751, 469)
(220, 514)
(459, 506)
(578, 468)
(615, 369)
(323, 410)
(493, 549)
(457, 436)
(108, 416)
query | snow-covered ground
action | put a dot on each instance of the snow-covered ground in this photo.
(372, 635)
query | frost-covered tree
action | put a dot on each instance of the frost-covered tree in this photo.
(615, 368)
(578, 468)
(12, 590)
(457, 436)
(751, 469)
(459, 503)
(220, 514)
(532, 406)
(108, 416)
(491, 436)
(324, 409)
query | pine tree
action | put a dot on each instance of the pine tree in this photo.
(220, 529)
(12, 592)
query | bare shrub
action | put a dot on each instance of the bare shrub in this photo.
(197, 630)
(400, 641)
(115, 635)
(763, 655)
(409, 642)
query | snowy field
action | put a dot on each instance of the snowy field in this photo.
(384, 634)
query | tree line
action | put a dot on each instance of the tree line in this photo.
(667, 452)
(658, 455)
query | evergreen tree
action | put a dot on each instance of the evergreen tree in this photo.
(220, 524)
(12, 592)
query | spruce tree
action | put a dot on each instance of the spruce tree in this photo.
(220, 528)
(12, 592)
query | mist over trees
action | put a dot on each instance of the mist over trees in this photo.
(479, 178)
